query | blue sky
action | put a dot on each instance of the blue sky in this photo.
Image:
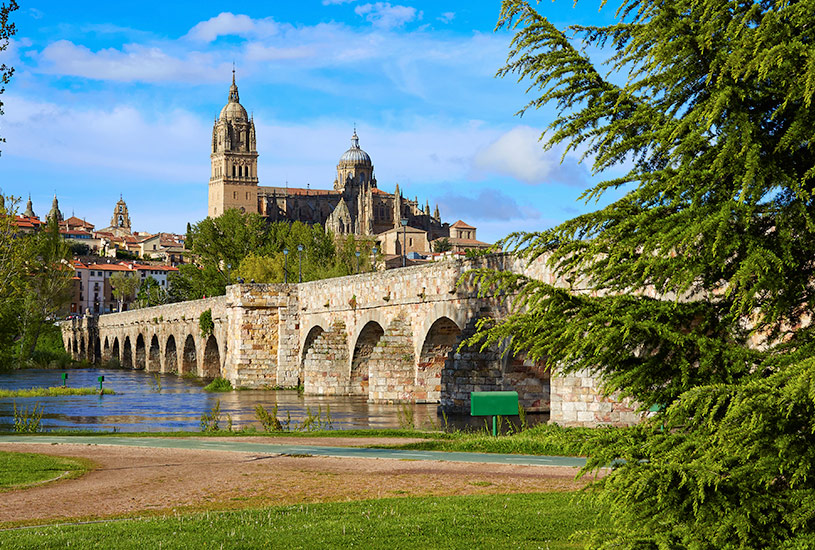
(119, 97)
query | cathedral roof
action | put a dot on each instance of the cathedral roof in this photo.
(355, 155)
(233, 111)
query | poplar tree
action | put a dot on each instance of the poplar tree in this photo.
(691, 289)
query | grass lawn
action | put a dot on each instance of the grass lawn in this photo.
(55, 391)
(544, 520)
(20, 469)
(543, 439)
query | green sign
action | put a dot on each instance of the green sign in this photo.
(491, 403)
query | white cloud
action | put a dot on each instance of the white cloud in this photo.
(447, 16)
(490, 204)
(134, 62)
(519, 154)
(386, 16)
(228, 24)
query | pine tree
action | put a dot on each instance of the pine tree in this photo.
(692, 289)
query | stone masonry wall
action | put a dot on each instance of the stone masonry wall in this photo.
(578, 401)
(392, 365)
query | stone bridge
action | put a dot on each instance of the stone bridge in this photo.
(390, 336)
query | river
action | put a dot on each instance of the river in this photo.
(147, 402)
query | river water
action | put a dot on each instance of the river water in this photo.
(160, 402)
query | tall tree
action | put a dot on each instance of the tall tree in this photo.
(7, 30)
(692, 289)
(123, 287)
(46, 286)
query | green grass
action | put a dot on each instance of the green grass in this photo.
(55, 391)
(544, 520)
(219, 385)
(20, 469)
(543, 439)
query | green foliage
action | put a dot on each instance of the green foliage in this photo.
(268, 418)
(7, 30)
(205, 323)
(123, 286)
(219, 385)
(26, 421)
(236, 245)
(442, 245)
(210, 422)
(80, 249)
(311, 423)
(49, 351)
(150, 293)
(20, 469)
(122, 254)
(54, 391)
(704, 250)
(544, 520)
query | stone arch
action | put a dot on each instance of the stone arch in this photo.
(97, 351)
(154, 355)
(211, 362)
(76, 348)
(308, 344)
(127, 354)
(141, 354)
(366, 341)
(189, 363)
(439, 343)
(106, 350)
(530, 378)
(170, 356)
(116, 353)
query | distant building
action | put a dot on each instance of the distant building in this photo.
(355, 205)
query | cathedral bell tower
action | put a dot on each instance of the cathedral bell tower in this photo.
(233, 181)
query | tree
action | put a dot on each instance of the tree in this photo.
(150, 293)
(45, 290)
(442, 245)
(123, 286)
(691, 290)
(7, 30)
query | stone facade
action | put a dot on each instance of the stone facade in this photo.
(390, 336)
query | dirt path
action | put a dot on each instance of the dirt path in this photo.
(139, 480)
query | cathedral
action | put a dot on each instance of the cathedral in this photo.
(355, 205)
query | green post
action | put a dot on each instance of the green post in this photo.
(64, 378)
(494, 427)
(101, 379)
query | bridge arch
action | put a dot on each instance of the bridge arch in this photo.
(127, 354)
(154, 355)
(311, 337)
(116, 352)
(141, 354)
(211, 361)
(76, 348)
(369, 336)
(106, 350)
(530, 378)
(170, 356)
(189, 363)
(439, 343)
(97, 350)
(82, 347)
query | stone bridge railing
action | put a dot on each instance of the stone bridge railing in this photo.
(390, 336)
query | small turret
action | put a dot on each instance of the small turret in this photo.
(29, 208)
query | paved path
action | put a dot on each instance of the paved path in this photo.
(294, 450)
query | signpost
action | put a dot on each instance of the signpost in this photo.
(493, 403)
(64, 378)
(100, 379)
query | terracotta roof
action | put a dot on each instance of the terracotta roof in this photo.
(461, 225)
(73, 232)
(154, 267)
(468, 242)
(109, 267)
(73, 220)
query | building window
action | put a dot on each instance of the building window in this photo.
(235, 195)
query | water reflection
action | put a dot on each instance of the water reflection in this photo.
(140, 405)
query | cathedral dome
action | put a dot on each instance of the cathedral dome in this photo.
(355, 155)
(233, 111)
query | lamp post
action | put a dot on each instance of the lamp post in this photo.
(404, 241)
(373, 259)
(286, 265)
(300, 259)
(357, 253)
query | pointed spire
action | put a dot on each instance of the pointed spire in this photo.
(436, 213)
(355, 139)
(29, 208)
(427, 207)
(233, 90)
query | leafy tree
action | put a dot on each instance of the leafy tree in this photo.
(46, 287)
(442, 245)
(80, 249)
(691, 288)
(124, 287)
(150, 293)
(7, 30)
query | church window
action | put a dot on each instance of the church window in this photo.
(410, 241)
(235, 195)
(247, 196)
(234, 171)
